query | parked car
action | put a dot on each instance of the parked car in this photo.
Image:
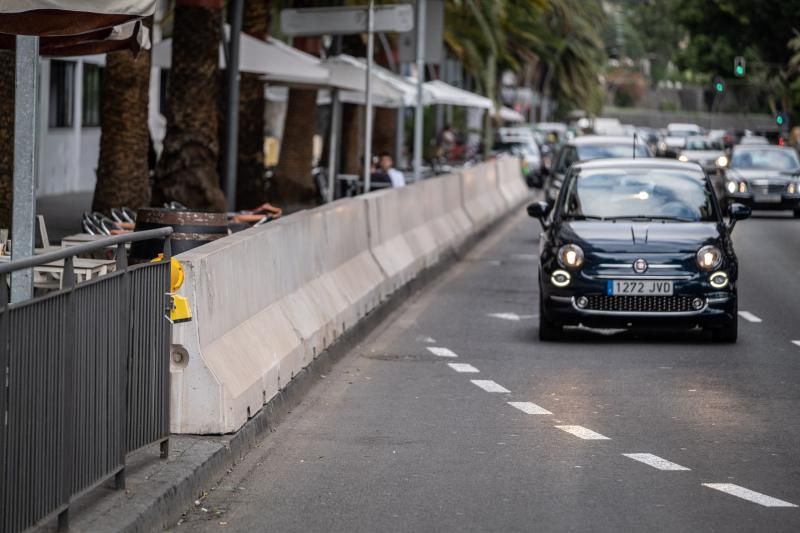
(707, 152)
(584, 149)
(637, 243)
(764, 177)
(676, 136)
(521, 143)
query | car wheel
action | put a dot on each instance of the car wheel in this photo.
(727, 333)
(548, 330)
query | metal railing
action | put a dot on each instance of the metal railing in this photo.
(85, 380)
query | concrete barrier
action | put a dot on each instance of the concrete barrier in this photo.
(482, 200)
(510, 180)
(268, 300)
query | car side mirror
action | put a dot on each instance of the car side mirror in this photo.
(539, 210)
(738, 212)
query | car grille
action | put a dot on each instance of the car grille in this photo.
(640, 304)
(772, 188)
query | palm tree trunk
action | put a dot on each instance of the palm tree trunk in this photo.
(293, 183)
(123, 177)
(7, 63)
(352, 138)
(187, 171)
(384, 131)
(251, 183)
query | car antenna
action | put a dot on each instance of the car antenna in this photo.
(634, 145)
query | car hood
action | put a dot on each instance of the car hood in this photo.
(703, 155)
(639, 237)
(773, 176)
(675, 142)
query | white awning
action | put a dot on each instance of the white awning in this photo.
(388, 89)
(278, 62)
(506, 114)
(444, 93)
(138, 8)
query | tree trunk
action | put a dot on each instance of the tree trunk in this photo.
(7, 63)
(251, 184)
(293, 183)
(187, 171)
(352, 138)
(123, 176)
(384, 131)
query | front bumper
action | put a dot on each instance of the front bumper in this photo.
(719, 305)
(782, 201)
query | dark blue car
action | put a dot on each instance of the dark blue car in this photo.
(637, 243)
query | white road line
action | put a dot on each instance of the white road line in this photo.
(749, 495)
(442, 352)
(796, 343)
(583, 433)
(530, 408)
(750, 317)
(489, 386)
(463, 367)
(655, 461)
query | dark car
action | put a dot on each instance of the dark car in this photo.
(764, 177)
(637, 243)
(587, 148)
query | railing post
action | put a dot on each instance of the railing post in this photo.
(5, 346)
(68, 394)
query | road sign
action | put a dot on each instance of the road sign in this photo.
(434, 41)
(346, 20)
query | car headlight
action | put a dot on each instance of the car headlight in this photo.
(731, 186)
(718, 280)
(570, 256)
(709, 258)
(791, 188)
(683, 159)
(722, 161)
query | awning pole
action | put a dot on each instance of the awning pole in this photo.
(368, 110)
(24, 200)
(399, 135)
(333, 148)
(419, 114)
(231, 140)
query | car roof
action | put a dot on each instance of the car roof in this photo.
(756, 146)
(683, 126)
(645, 162)
(602, 139)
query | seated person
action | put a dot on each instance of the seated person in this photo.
(386, 173)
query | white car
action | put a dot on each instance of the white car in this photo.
(675, 140)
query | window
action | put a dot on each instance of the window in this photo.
(92, 95)
(163, 89)
(62, 93)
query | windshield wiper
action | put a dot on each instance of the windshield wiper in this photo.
(582, 217)
(650, 217)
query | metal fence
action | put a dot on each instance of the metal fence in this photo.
(86, 380)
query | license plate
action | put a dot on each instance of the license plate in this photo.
(767, 199)
(637, 287)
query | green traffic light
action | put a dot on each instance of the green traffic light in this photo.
(719, 87)
(779, 120)
(739, 70)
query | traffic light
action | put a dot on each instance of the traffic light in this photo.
(738, 66)
(780, 119)
(719, 85)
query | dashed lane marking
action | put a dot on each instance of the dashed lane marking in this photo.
(583, 433)
(530, 408)
(489, 386)
(654, 461)
(749, 495)
(442, 352)
(750, 317)
(463, 368)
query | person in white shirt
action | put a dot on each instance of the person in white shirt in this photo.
(386, 166)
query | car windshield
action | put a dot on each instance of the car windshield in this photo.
(702, 144)
(681, 133)
(765, 159)
(604, 151)
(648, 194)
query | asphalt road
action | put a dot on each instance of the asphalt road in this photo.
(397, 439)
